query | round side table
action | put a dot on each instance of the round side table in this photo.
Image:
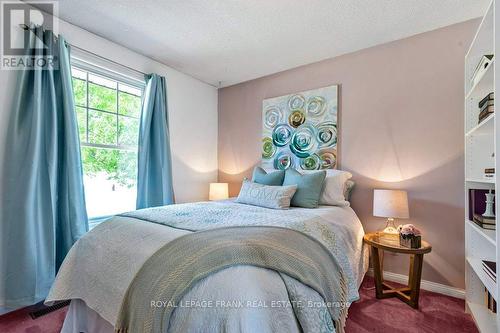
(381, 242)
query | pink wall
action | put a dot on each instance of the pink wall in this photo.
(401, 126)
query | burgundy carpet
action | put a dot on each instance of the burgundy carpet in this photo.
(438, 313)
(19, 321)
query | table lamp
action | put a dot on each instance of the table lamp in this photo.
(392, 204)
(218, 191)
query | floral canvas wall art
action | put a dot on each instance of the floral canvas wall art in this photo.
(300, 130)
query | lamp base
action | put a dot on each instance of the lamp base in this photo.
(390, 230)
(390, 227)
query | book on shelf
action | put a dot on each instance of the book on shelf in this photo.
(484, 115)
(490, 302)
(489, 176)
(489, 173)
(490, 268)
(486, 107)
(487, 110)
(489, 97)
(492, 278)
(484, 219)
(485, 226)
(481, 67)
(488, 103)
(492, 305)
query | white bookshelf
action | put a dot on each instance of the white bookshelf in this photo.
(481, 151)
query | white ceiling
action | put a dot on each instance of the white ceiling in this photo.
(232, 41)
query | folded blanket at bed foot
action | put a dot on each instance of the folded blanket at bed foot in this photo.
(176, 267)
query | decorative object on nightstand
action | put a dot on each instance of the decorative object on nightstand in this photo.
(379, 243)
(409, 236)
(391, 204)
(218, 191)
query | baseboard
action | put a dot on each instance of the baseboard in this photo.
(424, 284)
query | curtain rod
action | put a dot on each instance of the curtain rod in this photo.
(26, 27)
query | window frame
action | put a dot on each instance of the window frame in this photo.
(134, 82)
(119, 78)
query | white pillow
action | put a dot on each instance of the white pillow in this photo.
(349, 186)
(333, 192)
(276, 197)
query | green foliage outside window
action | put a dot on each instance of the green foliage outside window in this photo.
(119, 165)
(116, 128)
(128, 131)
(130, 105)
(102, 98)
(102, 128)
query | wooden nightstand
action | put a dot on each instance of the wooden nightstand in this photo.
(381, 242)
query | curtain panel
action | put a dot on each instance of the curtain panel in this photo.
(154, 182)
(44, 204)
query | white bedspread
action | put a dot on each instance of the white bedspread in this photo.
(102, 264)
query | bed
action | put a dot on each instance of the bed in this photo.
(101, 266)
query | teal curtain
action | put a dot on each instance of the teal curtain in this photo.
(154, 181)
(43, 203)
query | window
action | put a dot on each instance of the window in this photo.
(107, 110)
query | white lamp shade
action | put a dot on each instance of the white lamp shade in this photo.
(218, 191)
(390, 203)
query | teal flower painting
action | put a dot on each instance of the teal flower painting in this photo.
(300, 130)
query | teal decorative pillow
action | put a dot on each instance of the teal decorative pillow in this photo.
(276, 197)
(260, 176)
(309, 187)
